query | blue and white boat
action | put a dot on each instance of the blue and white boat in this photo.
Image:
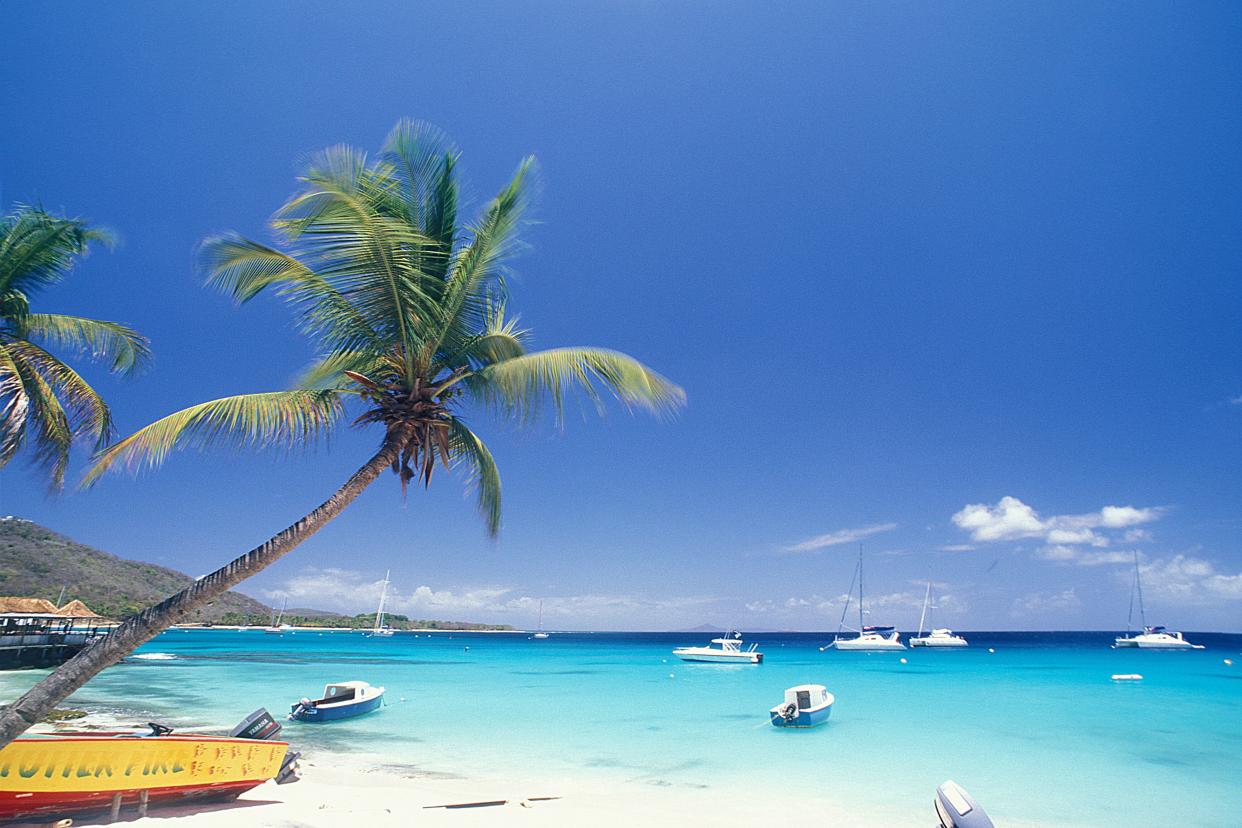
(343, 700)
(806, 705)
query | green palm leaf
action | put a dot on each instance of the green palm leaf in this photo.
(14, 406)
(522, 383)
(52, 435)
(128, 350)
(292, 419)
(483, 474)
(87, 414)
(37, 248)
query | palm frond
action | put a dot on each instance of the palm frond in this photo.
(52, 436)
(476, 280)
(243, 268)
(14, 407)
(128, 350)
(424, 161)
(329, 372)
(38, 248)
(522, 383)
(290, 419)
(467, 448)
(86, 412)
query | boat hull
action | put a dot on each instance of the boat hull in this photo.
(720, 658)
(867, 646)
(942, 643)
(72, 774)
(335, 713)
(1168, 645)
(805, 718)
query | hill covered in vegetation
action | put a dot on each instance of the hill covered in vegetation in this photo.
(36, 562)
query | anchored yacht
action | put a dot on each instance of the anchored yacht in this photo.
(1154, 637)
(869, 637)
(940, 636)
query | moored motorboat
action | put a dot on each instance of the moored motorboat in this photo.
(729, 652)
(343, 700)
(805, 705)
(67, 773)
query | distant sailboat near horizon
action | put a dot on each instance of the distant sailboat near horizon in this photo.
(276, 627)
(874, 638)
(1151, 638)
(539, 633)
(938, 637)
(380, 630)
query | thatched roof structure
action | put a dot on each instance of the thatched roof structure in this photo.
(33, 606)
(76, 609)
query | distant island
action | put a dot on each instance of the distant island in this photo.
(36, 562)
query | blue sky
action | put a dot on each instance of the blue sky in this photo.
(949, 279)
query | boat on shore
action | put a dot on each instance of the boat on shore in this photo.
(805, 705)
(871, 638)
(938, 637)
(343, 700)
(46, 776)
(729, 652)
(1152, 637)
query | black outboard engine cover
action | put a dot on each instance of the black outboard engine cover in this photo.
(258, 725)
(957, 809)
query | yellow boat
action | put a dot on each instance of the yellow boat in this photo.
(67, 773)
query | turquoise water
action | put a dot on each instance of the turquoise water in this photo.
(1036, 731)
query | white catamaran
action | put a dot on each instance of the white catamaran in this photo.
(1151, 638)
(380, 629)
(869, 637)
(938, 637)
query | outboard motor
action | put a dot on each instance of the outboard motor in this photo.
(258, 725)
(956, 809)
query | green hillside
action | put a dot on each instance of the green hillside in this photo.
(36, 562)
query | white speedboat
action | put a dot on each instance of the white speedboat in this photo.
(1151, 638)
(729, 652)
(870, 638)
(939, 637)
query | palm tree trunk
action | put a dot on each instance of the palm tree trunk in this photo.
(138, 629)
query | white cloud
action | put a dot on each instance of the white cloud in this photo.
(1119, 517)
(839, 537)
(1186, 580)
(957, 547)
(1237, 400)
(1084, 557)
(1007, 520)
(1035, 603)
(1011, 519)
(349, 592)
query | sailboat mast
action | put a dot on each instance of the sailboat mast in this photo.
(379, 612)
(926, 601)
(1138, 582)
(860, 591)
(540, 615)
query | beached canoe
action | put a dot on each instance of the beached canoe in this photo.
(70, 773)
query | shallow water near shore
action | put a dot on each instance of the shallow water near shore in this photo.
(1037, 731)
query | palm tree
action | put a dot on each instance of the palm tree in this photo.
(44, 403)
(406, 307)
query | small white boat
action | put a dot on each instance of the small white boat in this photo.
(1151, 638)
(539, 633)
(806, 705)
(939, 637)
(277, 628)
(381, 630)
(869, 638)
(342, 700)
(729, 652)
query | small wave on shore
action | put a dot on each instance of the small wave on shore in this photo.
(155, 656)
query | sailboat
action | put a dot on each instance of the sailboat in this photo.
(1151, 638)
(938, 637)
(869, 637)
(380, 629)
(276, 627)
(539, 633)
